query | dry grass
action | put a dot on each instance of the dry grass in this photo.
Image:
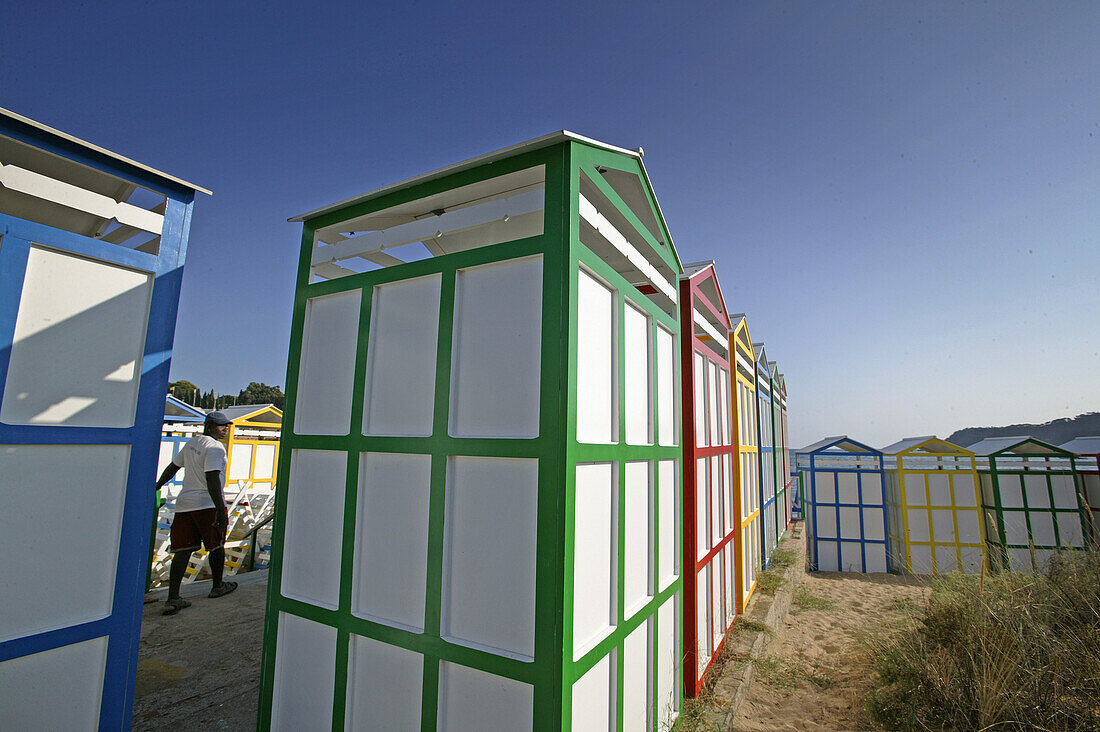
(1009, 652)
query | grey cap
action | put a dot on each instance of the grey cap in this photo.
(217, 418)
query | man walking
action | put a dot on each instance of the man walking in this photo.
(201, 516)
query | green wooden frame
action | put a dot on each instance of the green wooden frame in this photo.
(553, 671)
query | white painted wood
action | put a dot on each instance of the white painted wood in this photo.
(1035, 488)
(391, 542)
(873, 526)
(968, 521)
(728, 564)
(828, 556)
(1015, 525)
(939, 489)
(60, 528)
(702, 321)
(399, 398)
(717, 613)
(915, 494)
(627, 248)
(596, 376)
(638, 392)
(638, 546)
(637, 673)
(593, 698)
(919, 529)
(1065, 493)
(384, 687)
(875, 556)
(699, 384)
(474, 700)
(943, 526)
(265, 462)
(729, 493)
(305, 667)
(496, 350)
(327, 370)
(595, 565)
(313, 531)
(825, 487)
(1069, 529)
(58, 689)
(849, 522)
(489, 554)
(1042, 528)
(826, 522)
(668, 666)
(847, 488)
(167, 452)
(83, 323)
(1012, 495)
(715, 438)
(714, 478)
(724, 402)
(1019, 559)
(947, 559)
(667, 427)
(240, 462)
(668, 507)
(702, 509)
(702, 621)
(49, 189)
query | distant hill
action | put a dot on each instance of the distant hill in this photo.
(1056, 432)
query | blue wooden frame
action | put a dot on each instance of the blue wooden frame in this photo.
(807, 461)
(122, 626)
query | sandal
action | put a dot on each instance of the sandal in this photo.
(171, 607)
(223, 589)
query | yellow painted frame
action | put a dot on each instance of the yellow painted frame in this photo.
(941, 450)
(746, 552)
(233, 439)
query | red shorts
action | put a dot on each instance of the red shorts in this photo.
(191, 527)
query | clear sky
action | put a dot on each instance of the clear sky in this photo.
(903, 196)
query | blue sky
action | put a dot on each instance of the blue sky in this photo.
(904, 197)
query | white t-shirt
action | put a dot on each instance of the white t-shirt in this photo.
(200, 455)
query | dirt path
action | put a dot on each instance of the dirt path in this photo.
(814, 677)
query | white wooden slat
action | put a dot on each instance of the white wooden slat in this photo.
(625, 247)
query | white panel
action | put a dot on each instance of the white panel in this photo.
(314, 527)
(715, 480)
(1065, 494)
(915, 494)
(871, 485)
(391, 543)
(946, 559)
(1037, 494)
(724, 401)
(849, 523)
(329, 339)
(592, 695)
(972, 559)
(699, 385)
(712, 403)
(1019, 560)
(729, 493)
(399, 398)
(702, 506)
(1011, 491)
(918, 525)
(637, 536)
(1069, 529)
(851, 556)
(825, 487)
(920, 557)
(939, 489)
(826, 522)
(666, 387)
(1015, 525)
(474, 700)
(1042, 558)
(702, 620)
(717, 613)
(596, 347)
(305, 668)
(669, 512)
(496, 350)
(828, 559)
(637, 672)
(59, 689)
(847, 488)
(638, 359)
(987, 489)
(82, 323)
(489, 554)
(384, 687)
(167, 452)
(60, 528)
(265, 462)
(965, 493)
(968, 526)
(240, 462)
(943, 526)
(728, 563)
(875, 556)
(873, 523)
(594, 560)
(668, 666)
(1042, 528)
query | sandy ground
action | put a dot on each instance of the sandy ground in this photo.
(815, 675)
(200, 669)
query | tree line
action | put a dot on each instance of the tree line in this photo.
(254, 393)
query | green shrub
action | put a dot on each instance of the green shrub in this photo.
(1010, 652)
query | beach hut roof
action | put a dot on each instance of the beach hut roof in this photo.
(1083, 445)
(177, 410)
(839, 443)
(927, 443)
(1019, 445)
(245, 412)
